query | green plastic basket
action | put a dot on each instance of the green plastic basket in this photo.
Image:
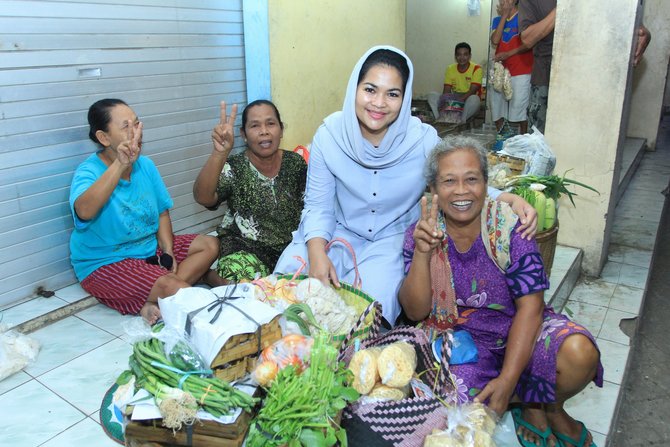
(355, 298)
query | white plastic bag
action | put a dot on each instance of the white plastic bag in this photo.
(16, 351)
(532, 147)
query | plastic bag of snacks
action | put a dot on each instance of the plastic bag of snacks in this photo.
(470, 424)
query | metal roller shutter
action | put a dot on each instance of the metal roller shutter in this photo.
(171, 60)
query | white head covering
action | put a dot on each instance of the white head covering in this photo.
(405, 134)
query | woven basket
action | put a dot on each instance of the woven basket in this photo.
(546, 243)
(355, 298)
(516, 164)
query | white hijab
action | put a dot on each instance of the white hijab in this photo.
(403, 136)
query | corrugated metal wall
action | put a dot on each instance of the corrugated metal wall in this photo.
(171, 60)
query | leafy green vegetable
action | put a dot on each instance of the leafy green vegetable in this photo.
(300, 409)
(555, 186)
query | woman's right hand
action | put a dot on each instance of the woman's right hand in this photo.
(320, 265)
(426, 235)
(223, 135)
(128, 151)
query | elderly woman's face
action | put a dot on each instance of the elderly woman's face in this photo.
(460, 186)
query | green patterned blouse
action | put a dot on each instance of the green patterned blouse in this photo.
(262, 212)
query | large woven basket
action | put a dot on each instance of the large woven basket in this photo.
(516, 164)
(546, 243)
(355, 298)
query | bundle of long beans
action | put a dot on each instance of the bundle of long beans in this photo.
(152, 368)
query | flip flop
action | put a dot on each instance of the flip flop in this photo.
(517, 417)
(562, 438)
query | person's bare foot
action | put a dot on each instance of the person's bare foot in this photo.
(150, 312)
(212, 279)
(561, 422)
(536, 417)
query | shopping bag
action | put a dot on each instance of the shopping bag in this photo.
(408, 421)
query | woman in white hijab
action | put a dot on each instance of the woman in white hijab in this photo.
(364, 182)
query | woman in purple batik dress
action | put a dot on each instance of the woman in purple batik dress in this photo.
(467, 268)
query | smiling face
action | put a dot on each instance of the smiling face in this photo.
(263, 130)
(463, 57)
(460, 187)
(378, 101)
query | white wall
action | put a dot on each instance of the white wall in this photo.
(434, 27)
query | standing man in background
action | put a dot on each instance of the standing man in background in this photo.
(536, 22)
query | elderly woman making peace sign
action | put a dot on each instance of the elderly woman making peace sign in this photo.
(121, 222)
(262, 186)
(468, 267)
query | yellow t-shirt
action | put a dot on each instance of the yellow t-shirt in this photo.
(460, 82)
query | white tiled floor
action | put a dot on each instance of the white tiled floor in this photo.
(56, 400)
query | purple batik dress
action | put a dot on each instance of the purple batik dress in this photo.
(485, 299)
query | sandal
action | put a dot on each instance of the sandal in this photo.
(563, 439)
(517, 417)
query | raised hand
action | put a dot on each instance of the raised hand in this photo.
(223, 135)
(129, 150)
(426, 234)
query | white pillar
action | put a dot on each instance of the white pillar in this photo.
(587, 96)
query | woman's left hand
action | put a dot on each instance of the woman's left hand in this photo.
(498, 392)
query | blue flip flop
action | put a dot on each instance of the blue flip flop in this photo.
(517, 417)
(562, 439)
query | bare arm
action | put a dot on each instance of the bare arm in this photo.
(520, 343)
(204, 187)
(165, 237)
(641, 43)
(506, 8)
(446, 89)
(538, 31)
(415, 294)
(91, 201)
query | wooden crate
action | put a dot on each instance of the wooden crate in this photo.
(201, 434)
(242, 345)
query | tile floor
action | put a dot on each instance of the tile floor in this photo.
(55, 401)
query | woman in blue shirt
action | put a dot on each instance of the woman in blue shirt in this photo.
(122, 247)
(364, 182)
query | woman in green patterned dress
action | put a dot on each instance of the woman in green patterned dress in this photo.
(262, 186)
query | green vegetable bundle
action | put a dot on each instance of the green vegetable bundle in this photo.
(157, 374)
(300, 409)
(543, 192)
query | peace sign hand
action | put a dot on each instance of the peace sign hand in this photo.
(426, 235)
(128, 151)
(223, 135)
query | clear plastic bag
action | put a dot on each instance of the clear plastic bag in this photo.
(178, 349)
(532, 147)
(293, 349)
(16, 351)
(468, 425)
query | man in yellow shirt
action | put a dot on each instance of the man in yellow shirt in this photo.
(464, 78)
